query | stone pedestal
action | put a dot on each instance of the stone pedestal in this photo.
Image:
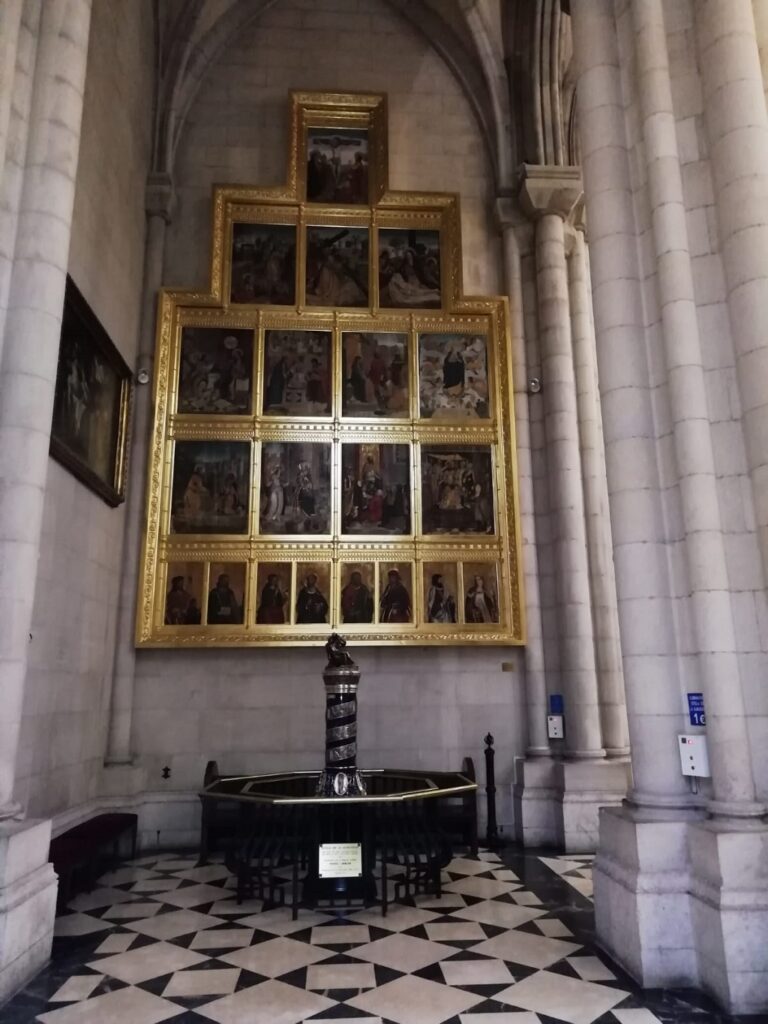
(557, 803)
(585, 788)
(28, 886)
(729, 912)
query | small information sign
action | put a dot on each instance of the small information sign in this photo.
(696, 709)
(556, 704)
(340, 860)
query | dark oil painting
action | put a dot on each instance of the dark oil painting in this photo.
(375, 489)
(337, 165)
(337, 266)
(295, 488)
(409, 269)
(297, 373)
(264, 264)
(374, 371)
(211, 485)
(456, 489)
(216, 369)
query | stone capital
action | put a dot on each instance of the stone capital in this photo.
(159, 196)
(549, 189)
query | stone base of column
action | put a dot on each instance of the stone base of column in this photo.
(642, 907)
(557, 803)
(28, 886)
(536, 800)
(729, 912)
(586, 787)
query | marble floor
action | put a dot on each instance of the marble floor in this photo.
(507, 943)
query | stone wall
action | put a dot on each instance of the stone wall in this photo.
(263, 709)
(72, 642)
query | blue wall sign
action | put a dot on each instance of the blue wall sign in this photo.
(696, 709)
(556, 704)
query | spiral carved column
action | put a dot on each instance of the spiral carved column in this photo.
(341, 776)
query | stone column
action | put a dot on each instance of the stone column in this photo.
(27, 378)
(31, 347)
(610, 677)
(13, 144)
(642, 907)
(535, 676)
(711, 613)
(737, 131)
(549, 195)
(10, 26)
(159, 206)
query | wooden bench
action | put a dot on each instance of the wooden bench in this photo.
(458, 818)
(82, 853)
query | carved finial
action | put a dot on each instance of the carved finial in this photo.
(334, 648)
(489, 740)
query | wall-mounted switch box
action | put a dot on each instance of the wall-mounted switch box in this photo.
(694, 759)
(555, 727)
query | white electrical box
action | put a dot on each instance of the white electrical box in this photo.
(694, 759)
(555, 727)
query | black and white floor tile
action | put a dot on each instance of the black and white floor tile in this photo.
(506, 943)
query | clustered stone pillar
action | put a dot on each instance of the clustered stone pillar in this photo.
(35, 247)
(31, 343)
(551, 198)
(678, 899)
(159, 206)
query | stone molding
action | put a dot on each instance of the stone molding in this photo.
(547, 189)
(160, 196)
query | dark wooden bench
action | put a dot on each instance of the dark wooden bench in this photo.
(82, 853)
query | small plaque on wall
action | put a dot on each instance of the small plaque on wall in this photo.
(340, 860)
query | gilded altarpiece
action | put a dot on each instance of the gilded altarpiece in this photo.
(333, 443)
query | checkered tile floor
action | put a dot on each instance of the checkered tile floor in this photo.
(507, 943)
(576, 870)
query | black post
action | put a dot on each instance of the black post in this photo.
(491, 835)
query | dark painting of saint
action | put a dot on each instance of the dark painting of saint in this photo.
(337, 266)
(264, 264)
(211, 484)
(376, 486)
(357, 596)
(273, 588)
(215, 372)
(456, 489)
(481, 602)
(375, 374)
(453, 376)
(409, 269)
(297, 373)
(227, 595)
(337, 166)
(440, 591)
(311, 602)
(295, 488)
(182, 600)
(395, 600)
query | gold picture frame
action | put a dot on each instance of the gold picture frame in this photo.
(350, 416)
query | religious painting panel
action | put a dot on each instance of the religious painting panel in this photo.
(313, 593)
(183, 593)
(395, 593)
(295, 488)
(215, 371)
(376, 489)
(453, 376)
(358, 589)
(337, 266)
(457, 493)
(297, 373)
(481, 593)
(264, 264)
(211, 487)
(441, 591)
(337, 166)
(273, 593)
(409, 269)
(92, 396)
(375, 374)
(226, 594)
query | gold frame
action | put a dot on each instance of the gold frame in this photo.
(459, 314)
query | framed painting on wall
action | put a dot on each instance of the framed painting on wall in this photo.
(92, 400)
